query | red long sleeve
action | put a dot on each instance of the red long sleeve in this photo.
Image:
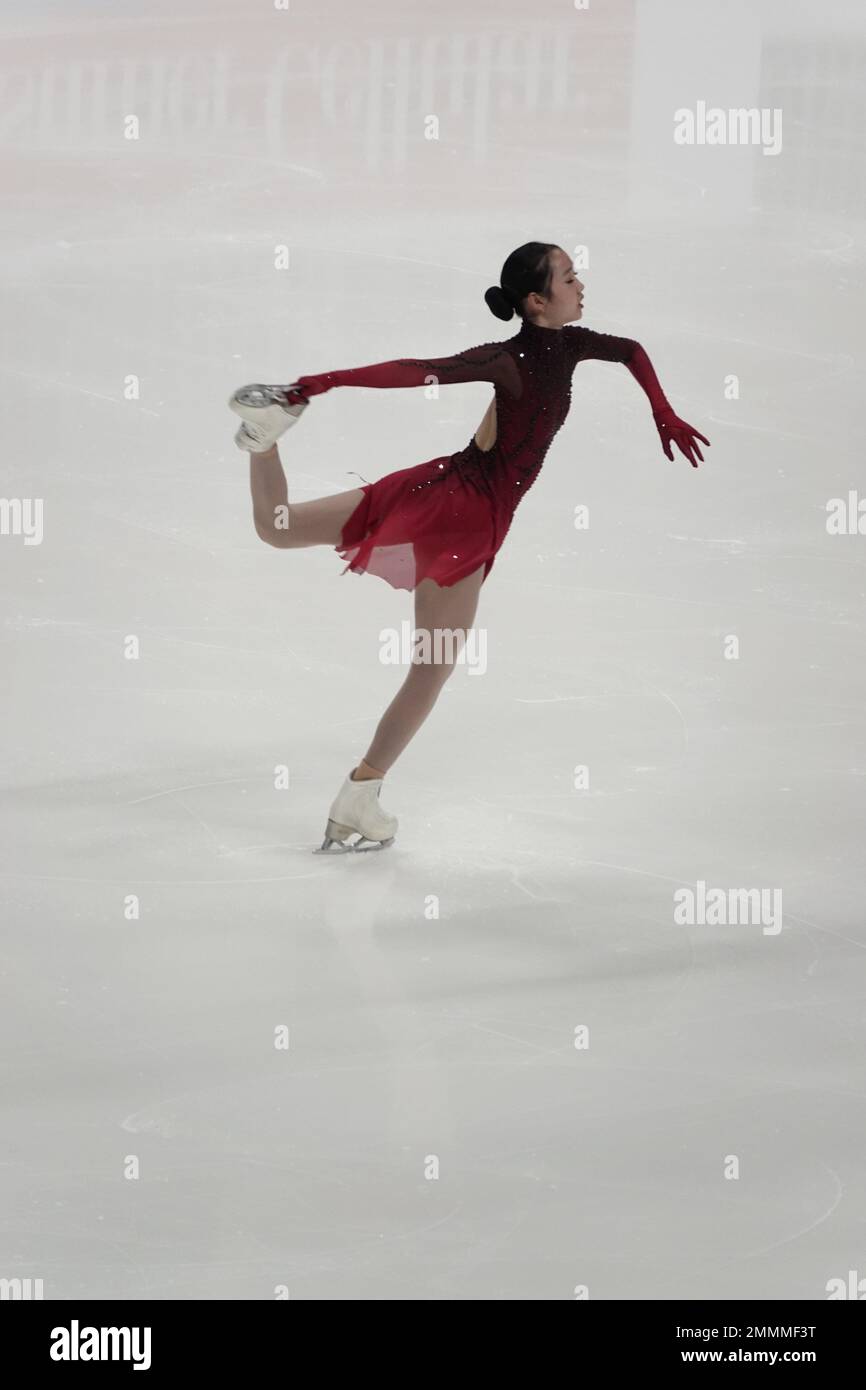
(641, 369)
(489, 362)
(606, 347)
(587, 345)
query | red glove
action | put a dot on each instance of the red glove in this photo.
(487, 362)
(672, 428)
(400, 372)
(307, 386)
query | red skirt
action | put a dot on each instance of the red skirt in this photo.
(413, 525)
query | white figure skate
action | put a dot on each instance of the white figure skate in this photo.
(267, 412)
(356, 810)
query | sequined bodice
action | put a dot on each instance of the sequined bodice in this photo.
(544, 359)
(531, 375)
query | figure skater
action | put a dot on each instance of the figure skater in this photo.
(436, 527)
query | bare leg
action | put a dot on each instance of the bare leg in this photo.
(435, 607)
(299, 524)
(321, 522)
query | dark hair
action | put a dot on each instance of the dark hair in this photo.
(527, 269)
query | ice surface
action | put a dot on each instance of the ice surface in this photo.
(412, 1036)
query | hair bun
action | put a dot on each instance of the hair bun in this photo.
(498, 302)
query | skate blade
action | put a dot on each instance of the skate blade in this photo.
(337, 841)
(251, 401)
(333, 847)
(358, 847)
(361, 846)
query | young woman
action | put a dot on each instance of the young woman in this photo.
(436, 527)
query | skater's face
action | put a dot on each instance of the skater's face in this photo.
(564, 303)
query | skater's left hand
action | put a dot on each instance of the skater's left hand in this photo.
(672, 429)
(307, 386)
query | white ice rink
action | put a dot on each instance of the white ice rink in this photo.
(435, 1129)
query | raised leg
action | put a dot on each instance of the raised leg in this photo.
(299, 524)
(435, 607)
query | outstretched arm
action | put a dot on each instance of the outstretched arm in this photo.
(489, 362)
(606, 347)
(669, 425)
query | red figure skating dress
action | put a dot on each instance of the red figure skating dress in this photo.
(444, 518)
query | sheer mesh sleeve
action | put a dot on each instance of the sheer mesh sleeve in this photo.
(488, 362)
(603, 347)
